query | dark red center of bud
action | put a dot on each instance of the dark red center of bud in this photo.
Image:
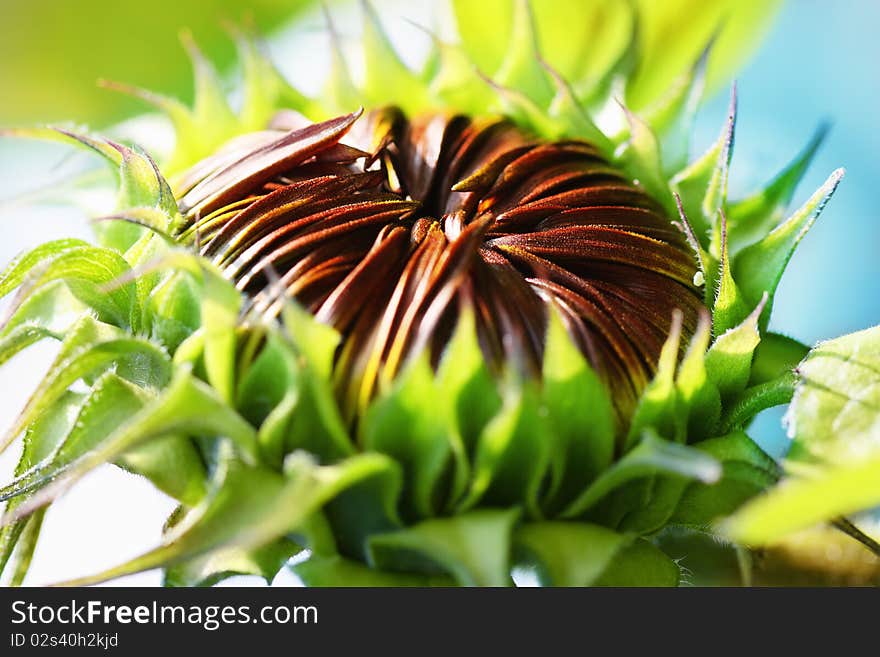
(387, 228)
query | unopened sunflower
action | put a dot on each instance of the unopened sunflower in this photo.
(430, 328)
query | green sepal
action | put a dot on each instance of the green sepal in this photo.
(173, 464)
(47, 312)
(89, 348)
(650, 457)
(729, 359)
(249, 507)
(571, 117)
(367, 507)
(20, 338)
(729, 306)
(747, 471)
(211, 121)
(408, 424)
(185, 406)
(698, 396)
(672, 116)
(172, 310)
(513, 453)
(15, 273)
(470, 397)
(775, 356)
(317, 422)
(339, 93)
(387, 80)
(641, 564)
(337, 571)
(87, 271)
(109, 403)
(521, 68)
(41, 439)
(754, 216)
(473, 547)
(759, 267)
(264, 88)
(567, 553)
(741, 408)
(456, 82)
(140, 182)
(214, 567)
(702, 185)
(25, 544)
(640, 157)
(658, 406)
(580, 414)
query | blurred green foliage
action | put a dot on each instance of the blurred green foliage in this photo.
(52, 52)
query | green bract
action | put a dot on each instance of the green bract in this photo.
(452, 473)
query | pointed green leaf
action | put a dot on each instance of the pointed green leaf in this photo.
(568, 553)
(641, 564)
(172, 310)
(473, 547)
(513, 453)
(658, 407)
(759, 267)
(456, 82)
(317, 425)
(20, 338)
(753, 217)
(580, 413)
(485, 44)
(741, 408)
(408, 424)
(470, 394)
(173, 464)
(185, 406)
(521, 67)
(672, 116)
(775, 355)
(650, 457)
(747, 471)
(250, 507)
(367, 507)
(387, 80)
(573, 119)
(86, 270)
(729, 359)
(214, 567)
(110, 403)
(699, 397)
(314, 339)
(265, 89)
(16, 271)
(640, 157)
(702, 185)
(219, 316)
(730, 306)
(339, 94)
(41, 440)
(337, 571)
(90, 348)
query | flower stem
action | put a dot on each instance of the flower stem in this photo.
(758, 398)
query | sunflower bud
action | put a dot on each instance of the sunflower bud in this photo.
(463, 332)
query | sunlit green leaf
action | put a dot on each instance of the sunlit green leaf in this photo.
(473, 547)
